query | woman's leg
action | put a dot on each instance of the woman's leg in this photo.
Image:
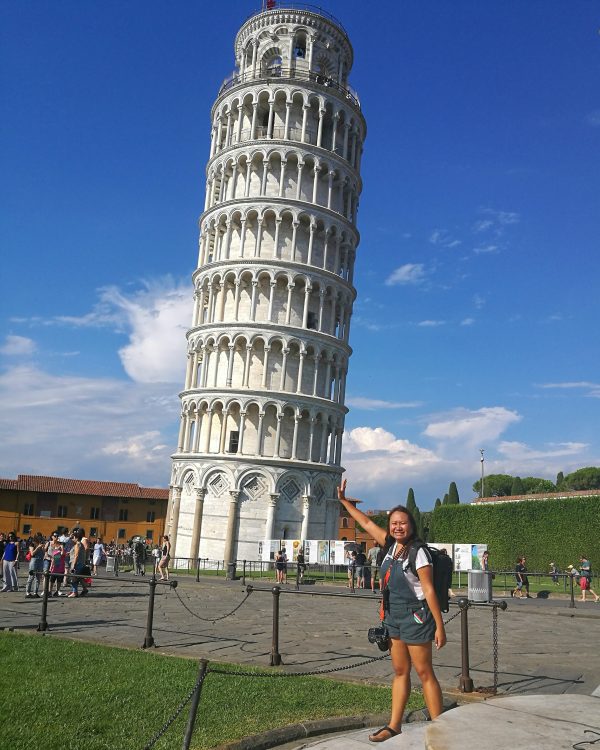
(420, 655)
(29, 585)
(401, 682)
(13, 577)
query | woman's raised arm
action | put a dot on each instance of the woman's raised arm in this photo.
(375, 531)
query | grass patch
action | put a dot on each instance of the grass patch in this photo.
(71, 695)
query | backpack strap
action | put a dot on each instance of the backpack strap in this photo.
(412, 555)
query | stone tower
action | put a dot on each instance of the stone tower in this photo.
(262, 419)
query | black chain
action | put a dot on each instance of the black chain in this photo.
(456, 614)
(211, 619)
(176, 713)
(493, 690)
(299, 674)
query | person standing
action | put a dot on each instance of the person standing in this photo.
(37, 551)
(301, 562)
(98, 556)
(361, 559)
(372, 557)
(522, 580)
(410, 608)
(10, 561)
(279, 566)
(554, 573)
(163, 565)
(76, 563)
(585, 578)
(57, 564)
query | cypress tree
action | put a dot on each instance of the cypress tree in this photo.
(410, 500)
(446, 499)
(438, 503)
(453, 498)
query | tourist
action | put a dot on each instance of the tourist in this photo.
(285, 564)
(280, 566)
(361, 559)
(163, 565)
(57, 565)
(85, 543)
(37, 551)
(76, 563)
(374, 563)
(522, 580)
(585, 578)
(10, 562)
(99, 555)
(411, 611)
(301, 565)
(554, 573)
(156, 555)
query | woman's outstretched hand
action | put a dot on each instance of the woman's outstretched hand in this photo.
(342, 490)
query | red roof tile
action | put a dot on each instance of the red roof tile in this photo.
(32, 483)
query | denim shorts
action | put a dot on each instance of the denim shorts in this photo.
(412, 623)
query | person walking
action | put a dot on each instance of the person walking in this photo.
(411, 611)
(585, 578)
(10, 562)
(361, 559)
(76, 563)
(58, 557)
(522, 580)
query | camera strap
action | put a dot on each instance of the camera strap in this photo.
(385, 594)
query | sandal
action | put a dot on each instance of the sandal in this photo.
(376, 736)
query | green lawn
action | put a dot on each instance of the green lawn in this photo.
(69, 695)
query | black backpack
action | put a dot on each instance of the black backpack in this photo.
(442, 571)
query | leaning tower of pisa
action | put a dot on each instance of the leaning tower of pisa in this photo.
(259, 449)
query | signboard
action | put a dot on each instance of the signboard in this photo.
(337, 554)
(316, 551)
(468, 556)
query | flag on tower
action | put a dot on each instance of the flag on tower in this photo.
(271, 4)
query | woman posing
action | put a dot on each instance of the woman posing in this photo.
(99, 555)
(37, 550)
(163, 565)
(412, 616)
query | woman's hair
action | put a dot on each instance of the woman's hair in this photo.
(413, 526)
(166, 538)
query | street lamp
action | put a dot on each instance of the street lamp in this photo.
(482, 462)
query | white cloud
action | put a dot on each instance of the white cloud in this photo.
(519, 459)
(431, 323)
(467, 321)
(478, 301)
(593, 389)
(521, 453)
(443, 238)
(86, 428)
(464, 427)
(409, 273)
(485, 249)
(15, 346)
(369, 404)
(495, 221)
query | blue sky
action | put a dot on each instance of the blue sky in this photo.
(477, 272)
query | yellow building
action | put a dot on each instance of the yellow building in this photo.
(111, 510)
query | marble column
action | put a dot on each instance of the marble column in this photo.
(197, 527)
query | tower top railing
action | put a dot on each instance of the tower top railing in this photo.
(283, 6)
(280, 73)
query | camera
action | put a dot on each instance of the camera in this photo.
(380, 636)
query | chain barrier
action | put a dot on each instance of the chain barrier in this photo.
(493, 689)
(211, 619)
(456, 614)
(300, 674)
(178, 710)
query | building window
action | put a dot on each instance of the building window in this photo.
(150, 516)
(151, 502)
(121, 534)
(311, 320)
(123, 513)
(27, 528)
(124, 500)
(344, 523)
(28, 509)
(62, 511)
(149, 534)
(234, 441)
(94, 513)
(94, 531)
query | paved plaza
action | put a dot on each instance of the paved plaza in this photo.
(540, 647)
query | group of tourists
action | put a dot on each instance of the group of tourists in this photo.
(70, 559)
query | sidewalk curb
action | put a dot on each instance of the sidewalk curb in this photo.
(318, 727)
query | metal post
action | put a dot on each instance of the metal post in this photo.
(466, 683)
(43, 623)
(572, 602)
(275, 655)
(243, 572)
(189, 731)
(352, 579)
(149, 639)
(198, 572)
(297, 576)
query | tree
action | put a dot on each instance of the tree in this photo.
(410, 500)
(438, 503)
(453, 498)
(583, 479)
(537, 485)
(427, 533)
(446, 499)
(495, 485)
(560, 480)
(516, 487)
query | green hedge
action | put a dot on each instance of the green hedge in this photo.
(542, 530)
